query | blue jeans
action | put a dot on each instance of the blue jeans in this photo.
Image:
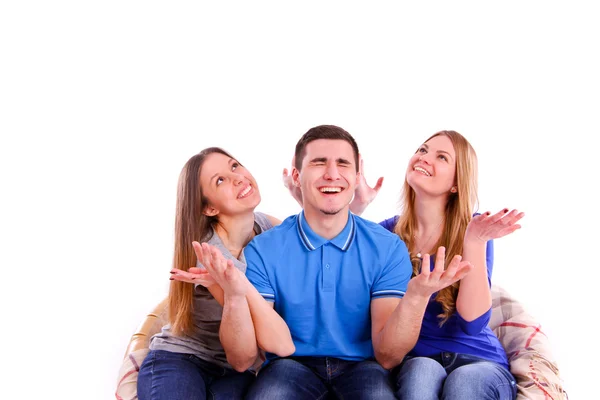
(298, 378)
(453, 376)
(165, 375)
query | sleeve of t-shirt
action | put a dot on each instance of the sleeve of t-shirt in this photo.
(389, 223)
(256, 272)
(395, 273)
(478, 324)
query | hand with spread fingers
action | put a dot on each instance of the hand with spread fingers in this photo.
(364, 194)
(288, 182)
(221, 270)
(430, 281)
(486, 227)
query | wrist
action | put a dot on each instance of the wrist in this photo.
(357, 207)
(474, 240)
(234, 298)
(415, 298)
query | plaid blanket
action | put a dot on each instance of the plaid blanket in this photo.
(527, 347)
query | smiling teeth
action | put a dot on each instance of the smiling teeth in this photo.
(331, 190)
(423, 171)
(245, 192)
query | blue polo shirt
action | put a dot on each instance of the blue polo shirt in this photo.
(323, 288)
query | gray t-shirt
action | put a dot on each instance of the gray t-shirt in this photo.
(204, 342)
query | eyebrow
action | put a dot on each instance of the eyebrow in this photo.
(439, 151)
(445, 152)
(231, 160)
(324, 159)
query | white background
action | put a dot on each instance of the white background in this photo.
(101, 104)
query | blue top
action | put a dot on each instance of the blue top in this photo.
(323, 288)
(457, 335)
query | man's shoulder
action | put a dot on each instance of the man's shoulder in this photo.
(372, 234)
(366, 227)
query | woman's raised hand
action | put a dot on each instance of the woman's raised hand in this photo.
(486, 227)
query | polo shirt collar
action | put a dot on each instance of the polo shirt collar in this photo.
(312, 241)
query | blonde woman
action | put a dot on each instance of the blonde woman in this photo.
(456, 356)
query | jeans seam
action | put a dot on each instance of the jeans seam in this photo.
(212, 394)
(512, 388)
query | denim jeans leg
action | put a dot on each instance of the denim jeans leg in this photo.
(171, 376)
(420, 378)
(232, 386)
(483, 380)
(286, 379)
(363, 381)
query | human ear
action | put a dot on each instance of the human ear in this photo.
(296, 177)
(210, 211)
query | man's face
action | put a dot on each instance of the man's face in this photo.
(328, 176)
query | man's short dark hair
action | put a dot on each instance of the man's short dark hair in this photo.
(323, 132)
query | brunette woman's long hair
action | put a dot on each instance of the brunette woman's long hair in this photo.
(459, 211)
(191, 224)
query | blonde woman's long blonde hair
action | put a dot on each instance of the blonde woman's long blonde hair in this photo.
(459, 211)
(190, 224)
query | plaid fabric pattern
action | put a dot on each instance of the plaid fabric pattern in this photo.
(128, 374)
(137, 350)
(526, 345)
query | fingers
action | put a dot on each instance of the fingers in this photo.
(195, 275)
(426, 265)
(440, 259)
(507, 217)
(457, 269)
(514, 216)
(496, 217)
(508, 222)
(198, 250)
(378, 184)
(480, 217)
(508, 230)
(230, 270)
(207, 255)
(216, 255)
(453, 266)
(206, 259)
(463, 269)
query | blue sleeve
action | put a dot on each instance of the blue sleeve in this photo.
(395, 272)
(389, 223)
(478, 324)
(256, 272)
(489, 260)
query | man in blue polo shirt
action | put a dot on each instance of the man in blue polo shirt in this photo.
(341, 284)
(337, 281)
